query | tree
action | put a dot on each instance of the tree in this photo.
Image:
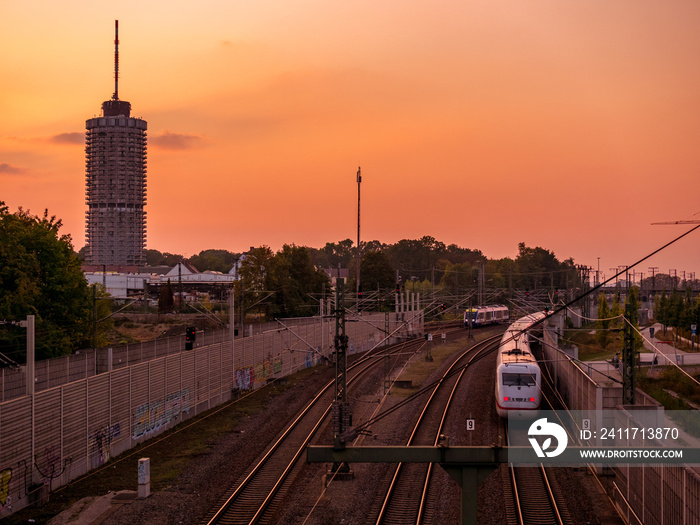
(376, 271)
(40, 275)
(456, 255)
(155, 258)
(661, 309)
(334, 254)
(457, 276)
(415, 259)
(295, 281)
(255, 268)
(603, 334)
(214, 260)
(675, 311)
(539, 268)
(616, 311)
(633, 300)
(102, 320)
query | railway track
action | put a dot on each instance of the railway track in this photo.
(536, 498)
(408, 499)
(256, 497)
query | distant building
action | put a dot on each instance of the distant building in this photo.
(236, 270)
(115, 183)
(334, 274)
(122, 282)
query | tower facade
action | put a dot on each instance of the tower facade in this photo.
(115, 183)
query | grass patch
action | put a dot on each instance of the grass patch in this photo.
(418, 369)
(589, 348)
(670, 379)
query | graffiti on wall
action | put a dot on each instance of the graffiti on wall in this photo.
(49, 463)
(245, 378)
(100, 443)
(5, 477)
(262, 371)
(249, 377)
(149, 417)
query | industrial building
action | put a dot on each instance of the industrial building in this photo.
(115, 182)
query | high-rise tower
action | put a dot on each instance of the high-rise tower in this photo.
(115, 181)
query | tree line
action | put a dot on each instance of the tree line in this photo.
(408, 261)
(678, 310)
(40, 275)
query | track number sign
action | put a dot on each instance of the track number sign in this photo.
(470, 424)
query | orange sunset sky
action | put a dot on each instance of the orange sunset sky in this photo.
(566, 124)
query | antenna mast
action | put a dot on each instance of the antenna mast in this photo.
(359, 249)
(116, 61)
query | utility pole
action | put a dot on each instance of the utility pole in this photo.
(179, 286)
(653, 270)
(627, 277)
(232, 328)
(470, 319)
(628, 359)
(94, 316)
(358, 286)
(29, 324)
(482, 282)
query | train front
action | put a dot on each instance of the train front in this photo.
(518, 392)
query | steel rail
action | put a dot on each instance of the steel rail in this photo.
(529, 483)
(365, 364)
(475, 352)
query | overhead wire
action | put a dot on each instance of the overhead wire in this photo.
(566, 305)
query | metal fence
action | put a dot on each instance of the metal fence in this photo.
(655, 494)
(59, 433)
(86, 363)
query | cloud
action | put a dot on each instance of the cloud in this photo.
(69, 138)
(175, 141)
(10, 169)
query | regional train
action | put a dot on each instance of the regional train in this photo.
(518, 378)
(483, 315)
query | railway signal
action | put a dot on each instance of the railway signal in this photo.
(190, 335)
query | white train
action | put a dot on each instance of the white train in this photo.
(518, 379)
(483, 315)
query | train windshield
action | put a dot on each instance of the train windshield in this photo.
(510, 379)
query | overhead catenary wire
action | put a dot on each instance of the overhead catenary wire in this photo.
(565, 306)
